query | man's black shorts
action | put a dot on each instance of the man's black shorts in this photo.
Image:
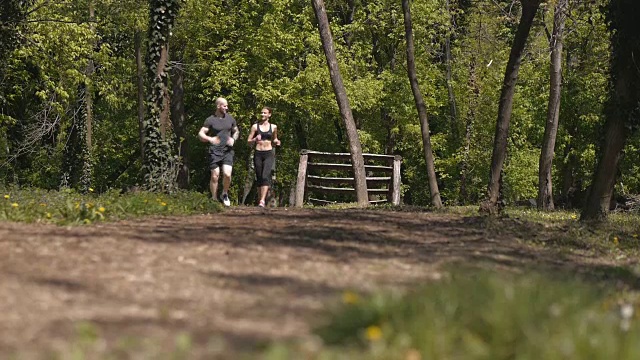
(218, 158)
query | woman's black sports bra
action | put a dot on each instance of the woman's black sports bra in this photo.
(265, 135)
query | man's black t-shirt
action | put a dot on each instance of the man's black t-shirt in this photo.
(220, 127)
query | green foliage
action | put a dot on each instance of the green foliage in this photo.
(71, 207)
(269, 53)
(475, 314)
(521, 174)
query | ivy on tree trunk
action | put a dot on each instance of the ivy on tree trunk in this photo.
(157, 164)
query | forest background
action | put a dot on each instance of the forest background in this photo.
(73, 85)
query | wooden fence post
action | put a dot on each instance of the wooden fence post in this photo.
(395, 181)
(302, 178)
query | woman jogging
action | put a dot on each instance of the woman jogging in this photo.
(264, 134)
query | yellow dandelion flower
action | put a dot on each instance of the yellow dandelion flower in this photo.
(14, 205)
(163, 204)
(374, 333)
(7, 196)
(101, 209)
(48, 215)
(90, 189)
(349, 297)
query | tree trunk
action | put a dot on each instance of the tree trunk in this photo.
(622, 113)
(178, 120)
(422, 108)
(599, 198)
(301, 134)
(545, 186)
(89, 72)
(343, 103)
(529, 8)
(161, 71)
(453, 109)
(157, 166)
(87, 158)
(140, 83)
(471, 114)
(390, 125)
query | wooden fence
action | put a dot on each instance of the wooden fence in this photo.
(382, 172)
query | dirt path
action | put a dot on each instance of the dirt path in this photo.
(230, 280)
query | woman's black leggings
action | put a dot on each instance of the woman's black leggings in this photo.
(263, 162)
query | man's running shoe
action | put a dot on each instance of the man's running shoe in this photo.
(225, 199)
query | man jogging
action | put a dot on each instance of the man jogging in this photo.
(220, 130)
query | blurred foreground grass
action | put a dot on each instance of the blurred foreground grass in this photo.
(479, 315)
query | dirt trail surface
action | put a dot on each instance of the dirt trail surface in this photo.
(235, 279)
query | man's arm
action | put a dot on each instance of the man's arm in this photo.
(202, 135)
(235, 132)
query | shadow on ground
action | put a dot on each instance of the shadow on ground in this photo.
(246, 276)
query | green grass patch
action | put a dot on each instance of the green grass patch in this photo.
(618, 235)
(70, 207)
(479, 315)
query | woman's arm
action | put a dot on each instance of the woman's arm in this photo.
(252, 133)
(275, 135)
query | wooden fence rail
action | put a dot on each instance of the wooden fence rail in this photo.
(332, 173)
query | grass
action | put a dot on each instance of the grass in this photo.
(88, 344)
(619, 235)
(69, 207)
(479, 315)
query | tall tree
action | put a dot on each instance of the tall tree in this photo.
(13, 13)
(545, 187)
(355, 148)
(623, 109)
(453, 109)
(140, 88)
(178, 119)
(158, 169)
(470, 116)
(529, 9)
(422, 108)
(87, 154)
